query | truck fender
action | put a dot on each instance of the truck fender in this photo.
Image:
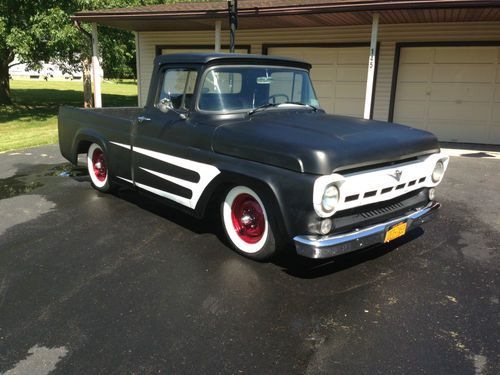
(82, 141)
(218, 186)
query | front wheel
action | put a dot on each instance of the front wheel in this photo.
(98, 168)
(246, 224)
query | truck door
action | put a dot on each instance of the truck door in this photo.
(160, 162)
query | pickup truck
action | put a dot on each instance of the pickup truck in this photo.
(246, 134)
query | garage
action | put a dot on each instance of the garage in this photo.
(452, 91)
(338, 73)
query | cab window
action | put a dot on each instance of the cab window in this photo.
(178, 86)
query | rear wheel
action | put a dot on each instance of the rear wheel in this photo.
(246, 223)
(98, 168)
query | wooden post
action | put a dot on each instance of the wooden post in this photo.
(371, 67)
(218, 27)
(96, 70)
(138, 68)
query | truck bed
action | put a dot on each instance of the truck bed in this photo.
(98, 124)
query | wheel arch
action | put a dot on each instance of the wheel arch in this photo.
(266, 190)
(84, 139)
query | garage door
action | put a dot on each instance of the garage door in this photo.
(451, 91)
(338, 74)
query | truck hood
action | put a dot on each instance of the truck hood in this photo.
(318, 143)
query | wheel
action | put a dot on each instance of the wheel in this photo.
(246, 224)
(98, 168)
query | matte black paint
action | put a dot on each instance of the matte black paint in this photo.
(279, 151)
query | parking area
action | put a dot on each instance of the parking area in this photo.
(95, 283)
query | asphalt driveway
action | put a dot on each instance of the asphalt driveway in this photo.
(93, 283)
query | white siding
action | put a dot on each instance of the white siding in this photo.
(389, 35)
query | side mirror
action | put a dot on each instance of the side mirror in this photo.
(166, 105)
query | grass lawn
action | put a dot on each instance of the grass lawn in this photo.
(32, 119)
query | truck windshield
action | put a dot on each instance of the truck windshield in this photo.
(244, 88)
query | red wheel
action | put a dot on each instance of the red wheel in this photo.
(98, 168)
(248, 218)
(246, 223)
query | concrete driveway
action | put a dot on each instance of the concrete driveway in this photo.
(93, 283)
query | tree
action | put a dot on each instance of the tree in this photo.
(37, 31)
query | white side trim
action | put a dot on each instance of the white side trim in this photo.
(126, 179)
(128, 147)
(175, 180)
(173, 197)
(207, 173)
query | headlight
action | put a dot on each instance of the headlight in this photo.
(330, 198)
(438, 172)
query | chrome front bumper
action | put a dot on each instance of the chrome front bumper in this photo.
(318, 247)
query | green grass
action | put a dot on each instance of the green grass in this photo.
(32, 119)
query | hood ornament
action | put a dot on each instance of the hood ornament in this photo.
(397, 174)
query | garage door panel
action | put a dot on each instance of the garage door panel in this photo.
(456, 95)
(324, 89)
(413, 91)
(474, 113)
(349, 107)
(414, 73)
(320, 56)
(352, 74)
(338, 74)
(469, 55)
(416, 56)
(495, 116)
(459, 132)
(463, 73)
(320, 73)
(464, 92)
(409, 109)
(350, 90)
(350, 56)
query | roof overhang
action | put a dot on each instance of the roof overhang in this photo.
(257, 14)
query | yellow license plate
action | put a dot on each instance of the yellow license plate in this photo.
(395, 231)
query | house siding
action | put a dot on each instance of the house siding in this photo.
(389, 35)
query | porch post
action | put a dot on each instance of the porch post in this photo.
(96, 69)
(371, 67)
(218, 27)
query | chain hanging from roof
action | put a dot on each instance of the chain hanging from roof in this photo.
(232, 6)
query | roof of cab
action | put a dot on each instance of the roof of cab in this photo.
(227, 58)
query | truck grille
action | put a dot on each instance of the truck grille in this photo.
(384, 210)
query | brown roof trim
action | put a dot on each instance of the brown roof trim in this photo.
(262, 8)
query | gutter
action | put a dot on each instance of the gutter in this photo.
(286, 10)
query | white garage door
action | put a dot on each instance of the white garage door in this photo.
(451, 91)
(338, 74)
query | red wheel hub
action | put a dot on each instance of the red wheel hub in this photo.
(248, 218)
(99, 164)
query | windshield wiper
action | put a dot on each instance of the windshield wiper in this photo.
(269, 105)
(263, 106)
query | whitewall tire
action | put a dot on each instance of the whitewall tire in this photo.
(246, 223)
(98, 168)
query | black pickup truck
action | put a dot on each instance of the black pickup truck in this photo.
(246, 133)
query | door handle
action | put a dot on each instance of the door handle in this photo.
(143, 119)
